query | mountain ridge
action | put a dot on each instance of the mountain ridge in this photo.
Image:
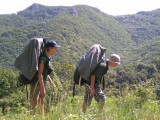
(142, 25)
(76, 28)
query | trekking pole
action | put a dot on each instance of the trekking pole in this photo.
(74, 85)
(79, 81)
(27, 97)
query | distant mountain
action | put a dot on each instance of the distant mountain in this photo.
(41, 12)
(144, 28)
(141, 26)
(148, 50)
(76, 29)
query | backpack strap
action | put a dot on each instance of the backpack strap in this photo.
(103, 80)
(42, 46)
(73, 94)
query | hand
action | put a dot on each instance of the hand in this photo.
(53, 85)
(51, 82)
(42, 93)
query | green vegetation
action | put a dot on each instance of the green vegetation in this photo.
(74, 28)
(123, 108)
(130, 95)
(142, 26)
(132, 89)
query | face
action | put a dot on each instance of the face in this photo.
(113, 64)
(53, 50)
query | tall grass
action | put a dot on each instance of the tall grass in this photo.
(134, 103)
(122, 108)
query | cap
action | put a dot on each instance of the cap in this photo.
(52, 43)
(114, 58)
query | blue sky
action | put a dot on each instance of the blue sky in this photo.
(111, 7)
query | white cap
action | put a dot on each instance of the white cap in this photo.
(114, 58)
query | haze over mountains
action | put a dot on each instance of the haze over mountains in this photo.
(134, 37)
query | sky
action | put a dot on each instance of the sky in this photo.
(110, 7)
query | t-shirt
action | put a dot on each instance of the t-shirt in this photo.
(46, 61)
(99, 72)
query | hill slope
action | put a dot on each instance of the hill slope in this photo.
(144, 28)
(74, 28)
(141, 26)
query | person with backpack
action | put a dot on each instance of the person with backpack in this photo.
(94, 89)
(89, 72)
(38, 90)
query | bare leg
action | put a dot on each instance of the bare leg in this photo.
(34, 95)
(41, 105)
(33, 105)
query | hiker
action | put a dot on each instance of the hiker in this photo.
(90, 72)
(94, 90)
(38, 90)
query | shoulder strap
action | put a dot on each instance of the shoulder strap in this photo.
(103, 80)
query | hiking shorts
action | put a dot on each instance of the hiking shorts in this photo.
(99, 96)
(34, 90)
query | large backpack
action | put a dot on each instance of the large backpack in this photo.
(27, 61)
(87, 64)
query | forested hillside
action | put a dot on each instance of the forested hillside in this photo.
(144, 28)
(141, 26)
(74, 28)
(132, 88)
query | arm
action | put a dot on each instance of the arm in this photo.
(51, 81)
(40, 79)
(92, 85)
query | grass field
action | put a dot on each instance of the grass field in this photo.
(134, 103)
(122, 108)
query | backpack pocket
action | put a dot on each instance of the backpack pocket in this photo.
(24, 81)
(77, 79)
